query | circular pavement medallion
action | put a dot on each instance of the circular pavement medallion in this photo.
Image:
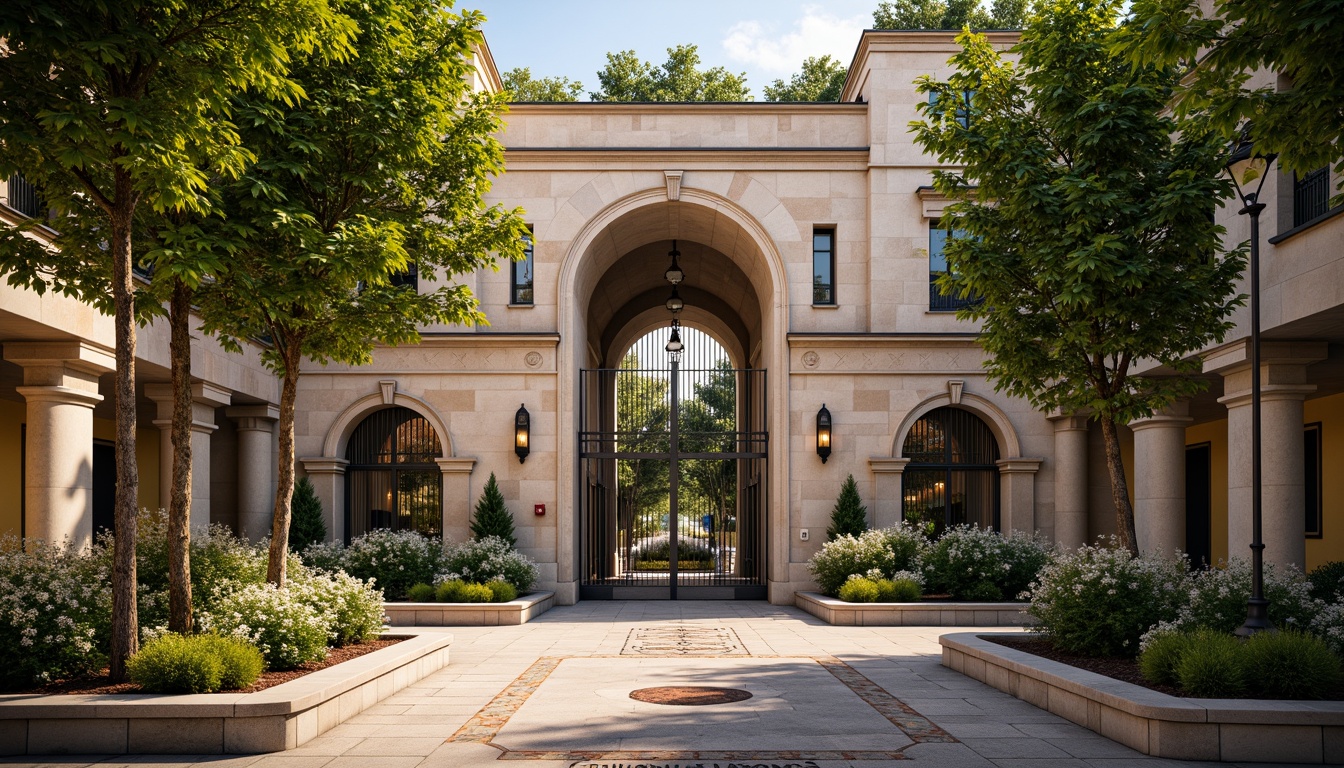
(689, 695)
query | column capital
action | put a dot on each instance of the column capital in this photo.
(324, 465)
(1066, 422)
(1269, 393)
(886, 464)
(1176, 415)
(261, 418)
(63, 364)
(1236, 355)
(60, 396)
(1019, 465)
(202, 393)
(456, 464)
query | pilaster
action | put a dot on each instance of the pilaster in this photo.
(888, 474)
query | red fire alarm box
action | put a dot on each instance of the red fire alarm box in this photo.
(538, 509)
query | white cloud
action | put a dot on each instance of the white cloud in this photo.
(816, 33)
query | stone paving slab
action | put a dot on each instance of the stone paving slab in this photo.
(576, 651)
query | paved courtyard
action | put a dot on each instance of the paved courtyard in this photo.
(556, 692)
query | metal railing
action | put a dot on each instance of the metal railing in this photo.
(1311, 195)
(940, 303)
(23, 198)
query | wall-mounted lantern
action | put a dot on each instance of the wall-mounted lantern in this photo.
(522, 428)
(824, 433)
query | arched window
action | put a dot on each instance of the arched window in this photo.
(952, 477)
(392, 481)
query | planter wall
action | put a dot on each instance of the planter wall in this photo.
(1154, 723)
(930, 614)
(279, 718)
(519, 611)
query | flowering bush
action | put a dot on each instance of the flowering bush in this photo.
(352, 610)
(286, 630)
(972, 563)
(1099, 601)
(55, 611)
(879, 553)
(395, 560)
(217, 557)
(485, 560)
(326, 556)
(1217, 598)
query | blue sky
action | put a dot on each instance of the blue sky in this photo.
(767, 39)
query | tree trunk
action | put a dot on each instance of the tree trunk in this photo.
(125, 629)
(179, 506)
(284, 486)
(1115, 464)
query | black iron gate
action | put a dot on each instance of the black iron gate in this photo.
(673, 466)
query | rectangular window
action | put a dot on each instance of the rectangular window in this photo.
(823, 266)
(963, 107)
(1311, 195)
(1311, 464)
(409, 278)
(938, 267)
(521, 273)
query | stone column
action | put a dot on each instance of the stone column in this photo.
(1159, 479)
(256, 467)
(327, 475)
(1283, 387)
(887, 507)
(60, 385)
(1017, 494)
(457, 501)
(1070, 480)
(205, 398)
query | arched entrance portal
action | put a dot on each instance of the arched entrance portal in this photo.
(673, 465)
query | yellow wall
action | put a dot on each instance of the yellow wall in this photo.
(1215, 434)
(11, 466)
(1330, 412)
(146, 458)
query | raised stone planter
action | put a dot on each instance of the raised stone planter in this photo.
(520, 611)
(930, 614)
(279, 718)
(1229, 730)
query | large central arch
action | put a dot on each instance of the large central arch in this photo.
(621, 227)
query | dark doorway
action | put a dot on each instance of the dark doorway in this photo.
(104, 486)
(1198, 503)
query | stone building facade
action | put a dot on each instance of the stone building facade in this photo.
(809, 235)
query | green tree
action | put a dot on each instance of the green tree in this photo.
(492, 517)
(1222, 44)
(1084, 221)
(626, 78)
(523, 87)
(950, 14)
(643, 421)
(821, 79)
(307, 526)
(849, 517)
(707, 423)
(111, 107)
(381, 171)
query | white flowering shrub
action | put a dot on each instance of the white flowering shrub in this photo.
(55, 611)
(217, 556)
(874, 554)
(489, 559)
(279, 622)
(973, 563)
(1328, 624)
(395, 560)
(1099, 601)
(352, 610)
(328, 556)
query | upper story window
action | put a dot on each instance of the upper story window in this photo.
(410, 277)
(937, 267)
(1311, 195)
(963, 107)
(823, 267)
(23, 197)
(521, 274)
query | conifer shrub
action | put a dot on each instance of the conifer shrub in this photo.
(306, 523)
(492, 517)
(850, 516)
(421, 593)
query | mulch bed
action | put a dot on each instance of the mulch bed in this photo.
(100, 684)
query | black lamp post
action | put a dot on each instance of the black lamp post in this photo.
(824, 433)
(522, 431)
(1249, 170)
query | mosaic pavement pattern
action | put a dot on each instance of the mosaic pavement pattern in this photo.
(683, 640)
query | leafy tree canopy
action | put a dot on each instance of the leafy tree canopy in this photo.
(1083, 221)
(821, 79)
(1298, 115)
(627, 78)
(523, 87)
(949, 14)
